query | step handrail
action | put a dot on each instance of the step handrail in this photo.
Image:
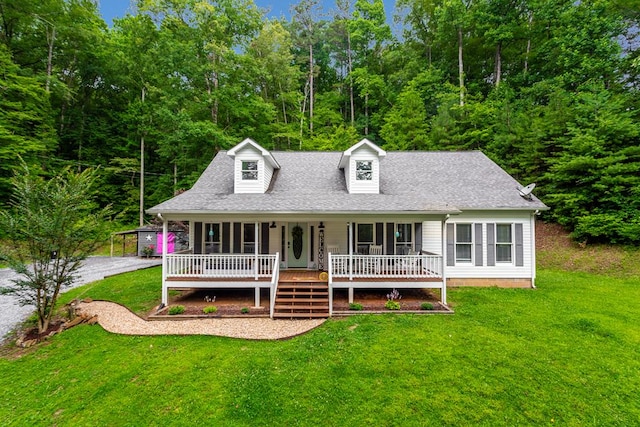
(275, 278)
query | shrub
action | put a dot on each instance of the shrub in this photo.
(392, 305)
(244, 310)
(210, 309)
(176, 309)
(355, 306)
(426, 306)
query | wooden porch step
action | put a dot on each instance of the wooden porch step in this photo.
(314, 315)
(303, 293)
(303, 285)
(298, 307)
(302, 300)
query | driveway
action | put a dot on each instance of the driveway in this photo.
(94, 268)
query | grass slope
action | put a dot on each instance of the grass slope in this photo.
(567, 353)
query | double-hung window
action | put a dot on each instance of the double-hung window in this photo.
(249, 238)
(249, 170)
(364, 170)
(404, 239)
(504, 243)
(365, 237)
(212, 238)
(464, 242)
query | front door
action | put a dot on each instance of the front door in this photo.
(297, 245)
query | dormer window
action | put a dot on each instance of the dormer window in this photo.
(364, 170)
(249, 170)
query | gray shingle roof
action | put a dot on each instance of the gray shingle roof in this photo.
(438, 182)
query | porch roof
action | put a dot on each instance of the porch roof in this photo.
(310, 182)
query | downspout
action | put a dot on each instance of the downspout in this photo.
(443, 240)
(533, 249)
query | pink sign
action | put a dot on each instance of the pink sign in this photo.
(171, 239)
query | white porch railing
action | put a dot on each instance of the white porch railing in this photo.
(385, 266)
(220, 265)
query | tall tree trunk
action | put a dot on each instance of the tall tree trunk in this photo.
(497, 72)
(350, 70)
(311, 89)
(526, 57)
(50, 40)
(460, 67)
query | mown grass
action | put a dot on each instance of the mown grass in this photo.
(567, 353)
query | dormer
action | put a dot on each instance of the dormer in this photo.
(361, 164)
(253, 167)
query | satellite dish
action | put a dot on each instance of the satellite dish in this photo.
(526, 191)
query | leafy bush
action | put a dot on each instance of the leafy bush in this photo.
(244, 310)
(426, 306)
(355, 306)
(210, 309)
(392, 305)
(176, 309)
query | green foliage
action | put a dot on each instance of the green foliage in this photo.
(392, 305)
(210, 309)
(176, 309)
(244, 310)
(426, 306)
(52, 226)
(355, 306)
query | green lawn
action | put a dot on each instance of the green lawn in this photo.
(567, 353)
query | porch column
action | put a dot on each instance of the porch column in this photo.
(443, 291)
(350, 260)
(165, 291)
(257, 297)
(255, 250)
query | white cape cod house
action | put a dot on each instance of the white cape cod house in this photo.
(367, 217)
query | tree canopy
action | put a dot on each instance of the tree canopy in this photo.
(547, 88)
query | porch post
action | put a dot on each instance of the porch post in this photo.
(443, 293)
(165, 291)
(255, 250)
(257, 297)
(350, 260)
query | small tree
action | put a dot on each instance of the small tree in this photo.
(53, 226)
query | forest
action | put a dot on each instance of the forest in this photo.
(548, 89)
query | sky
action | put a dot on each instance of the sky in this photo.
(118, 8)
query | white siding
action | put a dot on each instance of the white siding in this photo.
(500, 270)
(336, 234)
(432, 237)
(248, 153)
(361, 187)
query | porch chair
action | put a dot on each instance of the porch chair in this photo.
(376, 264)
(334, 249)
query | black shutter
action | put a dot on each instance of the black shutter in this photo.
(519, 246)
(264, 238)
(197, 236)
(478, 243)
(451, 245)
(379, 233)
(491, 245)
(354, 242)
(417, 230)
(390, 238)
(312, 243)
(226, 238)
(237, 238)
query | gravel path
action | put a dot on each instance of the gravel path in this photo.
(94, 268)
(118, 319)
